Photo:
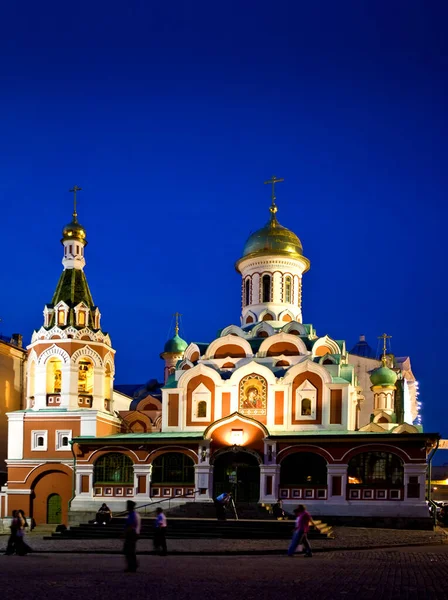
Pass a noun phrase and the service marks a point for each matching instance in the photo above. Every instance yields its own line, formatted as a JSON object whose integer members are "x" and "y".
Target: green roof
{"x": 138, "y": 437}
{"x": 176, "y": 345}
{"x": 383, "y": 376}
{"x": 72, "y": 289}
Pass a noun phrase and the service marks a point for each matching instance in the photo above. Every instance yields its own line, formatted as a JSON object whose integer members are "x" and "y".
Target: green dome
{"x": 383, "y": 376}
{"x": 176, "y": 345}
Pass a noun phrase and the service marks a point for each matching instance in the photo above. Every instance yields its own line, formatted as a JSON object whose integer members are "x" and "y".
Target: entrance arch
{"x": 54, "y": 509}
{"x": 237, "y": 471}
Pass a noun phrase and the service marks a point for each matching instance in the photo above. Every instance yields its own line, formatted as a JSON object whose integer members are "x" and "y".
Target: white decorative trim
{"x": 87, "y": 351}
{"x": 35, "y": 436}
{"x": 201, "y": 394}
{"x": 52, "y": 352}
{"x": 225, "y": 341}
{"x": 278, "y": 338}
{"x": 306, "y": 391}
{"x": 59, "y": 437}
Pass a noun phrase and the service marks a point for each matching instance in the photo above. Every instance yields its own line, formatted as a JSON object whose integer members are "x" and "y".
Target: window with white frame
{"x": 63, "y": 438}
{"x": 306, "y": 402}
{"x": 201, "y": 404}
{"x": 39, "y": 440}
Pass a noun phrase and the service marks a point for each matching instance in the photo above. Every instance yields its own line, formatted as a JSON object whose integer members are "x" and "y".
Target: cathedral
{"x": 270, "y": 410}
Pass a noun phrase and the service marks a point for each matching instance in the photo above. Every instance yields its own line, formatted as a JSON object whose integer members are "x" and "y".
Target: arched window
{"x": 303, "y": 468}
{"x": 172, "y": 468}
{"x": 266, "y": 285}
{"x": 113, "y": 468}
{"x": 54, "y": 376}
{"x": 376, "y": 468}
{"x": 40, "y": 441}
{"x": 306, "y": 407}
{"x": 81, "y": 318}
{"x": 287, "y": 290}
{"x": 61, "y": 316}
{"x": 85, "y": 376}
{"x": 247, "y": 292}
{"x": 202, "y": 409}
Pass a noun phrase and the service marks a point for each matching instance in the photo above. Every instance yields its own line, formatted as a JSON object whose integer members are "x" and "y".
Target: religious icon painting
{"x": 252, "y": 395}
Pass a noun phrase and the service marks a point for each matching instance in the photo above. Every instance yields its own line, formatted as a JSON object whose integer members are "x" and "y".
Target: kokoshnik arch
{"x": 269, "y": 409}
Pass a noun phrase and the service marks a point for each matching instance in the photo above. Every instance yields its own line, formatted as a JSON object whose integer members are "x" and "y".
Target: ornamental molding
{"x": 87, "y": 351}
{"x": 54, "y": 351}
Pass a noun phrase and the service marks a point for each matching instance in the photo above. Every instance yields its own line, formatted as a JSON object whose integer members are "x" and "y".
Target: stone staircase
{"x": 195, "y": 520}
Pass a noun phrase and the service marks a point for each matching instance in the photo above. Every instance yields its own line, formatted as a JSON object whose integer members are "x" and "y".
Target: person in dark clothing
{"x": 131, "y": 533}
{"x": 22, "y": 547}
{"x": 104, "y": 515}
{"x": 160, "y": 532}
{"x": 11, "y": 547}
{"x": 221, "y": 503}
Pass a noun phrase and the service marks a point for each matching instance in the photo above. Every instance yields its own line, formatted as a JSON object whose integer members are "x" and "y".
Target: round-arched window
{"x": 114, "y": 468}
{"x": 376, "y": 468}
{"x": 172, "y": 468}
{"x": 303, "y": 468}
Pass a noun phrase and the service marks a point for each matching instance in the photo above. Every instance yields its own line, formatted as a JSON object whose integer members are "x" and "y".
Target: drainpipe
{"x": 74, "y": 476}
{"x": 430, "y": 457}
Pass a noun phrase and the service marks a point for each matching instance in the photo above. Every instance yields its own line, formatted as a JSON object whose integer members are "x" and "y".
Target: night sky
{"x": 170, "y": 115}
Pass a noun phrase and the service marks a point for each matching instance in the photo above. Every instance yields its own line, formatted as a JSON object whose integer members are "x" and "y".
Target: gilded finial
{"x": 74, "y": 190}
{"x": 176, "y": 326}
{"x": 384, "y": 337}
{"x": 273, "y": 181}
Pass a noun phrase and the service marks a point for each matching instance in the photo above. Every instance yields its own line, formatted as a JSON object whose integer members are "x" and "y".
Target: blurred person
{"x": 160, "y": 531}
{"x": 131, "y": 533}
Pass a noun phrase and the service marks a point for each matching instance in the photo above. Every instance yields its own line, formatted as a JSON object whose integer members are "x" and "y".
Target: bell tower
{"x": 71, "y": 360}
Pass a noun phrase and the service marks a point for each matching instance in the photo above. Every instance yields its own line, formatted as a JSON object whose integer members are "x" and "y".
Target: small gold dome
{"x": 74, "y": 231}
{"x": 273, "y": 238}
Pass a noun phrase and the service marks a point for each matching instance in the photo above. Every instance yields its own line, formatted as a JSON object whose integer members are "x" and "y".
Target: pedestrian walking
{"x": 12, "y": 541}
{"x": 131, "y": 533}
{"x": 300, "y": 535}
{"x": 160, "y": 532}
{"x": 22, "y": 547}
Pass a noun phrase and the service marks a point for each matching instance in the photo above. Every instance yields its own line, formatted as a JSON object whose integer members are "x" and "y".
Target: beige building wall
{"x": 12, "y": 391}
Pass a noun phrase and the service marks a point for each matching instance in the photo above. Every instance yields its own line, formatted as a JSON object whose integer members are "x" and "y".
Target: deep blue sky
{"x": 170, "y": 115}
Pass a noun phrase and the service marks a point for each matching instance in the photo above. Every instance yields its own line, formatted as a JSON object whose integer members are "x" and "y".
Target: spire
{"x": 74, "y": 190}
{"x": 74, "y": 239}
{"x": 273, "y": 208}
{"x": 384, "y": 337}
{"x": 176, "y": 326}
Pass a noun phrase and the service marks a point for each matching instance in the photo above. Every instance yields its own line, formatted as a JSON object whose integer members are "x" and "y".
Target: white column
{"x": 69, "y": 392}
{"x": 337, "y": 471}
{"x": 84, "y": 470}
{"x": 98, "y": 388}
{"x": 272, "y": 471}
{"x": 142, "y": 471}
{"x": 418, "y": 471}
{"x": 203, "y": 480}
{"x": 40, "y": 387}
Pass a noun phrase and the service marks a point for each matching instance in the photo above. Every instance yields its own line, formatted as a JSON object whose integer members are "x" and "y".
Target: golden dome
{"x": 273, "y": 238}
{"x": 74, "y": 231}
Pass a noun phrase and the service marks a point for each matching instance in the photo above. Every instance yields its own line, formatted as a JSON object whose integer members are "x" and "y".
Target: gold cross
{"x": 176, "y": 327}
{"x": 384, "y": 337}
{"x": 74, "y": 190}
{"x": 273, "y": 180}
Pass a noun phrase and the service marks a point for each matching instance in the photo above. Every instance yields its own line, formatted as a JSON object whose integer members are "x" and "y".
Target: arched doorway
{"x": 238, "y": 473}
{"x": 54, "y": 509}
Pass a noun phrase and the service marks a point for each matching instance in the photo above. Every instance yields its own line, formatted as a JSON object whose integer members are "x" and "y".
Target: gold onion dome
{"x": 273, "y": 238}
{"x": 74, "y": 231}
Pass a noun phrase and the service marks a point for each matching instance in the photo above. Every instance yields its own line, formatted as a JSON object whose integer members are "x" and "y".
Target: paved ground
{"x": 406, "y": 573}
{"x": 345, "y": 538}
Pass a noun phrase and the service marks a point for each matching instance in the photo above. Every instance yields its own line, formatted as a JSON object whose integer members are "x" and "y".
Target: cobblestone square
{"x": 405, "y": 573}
